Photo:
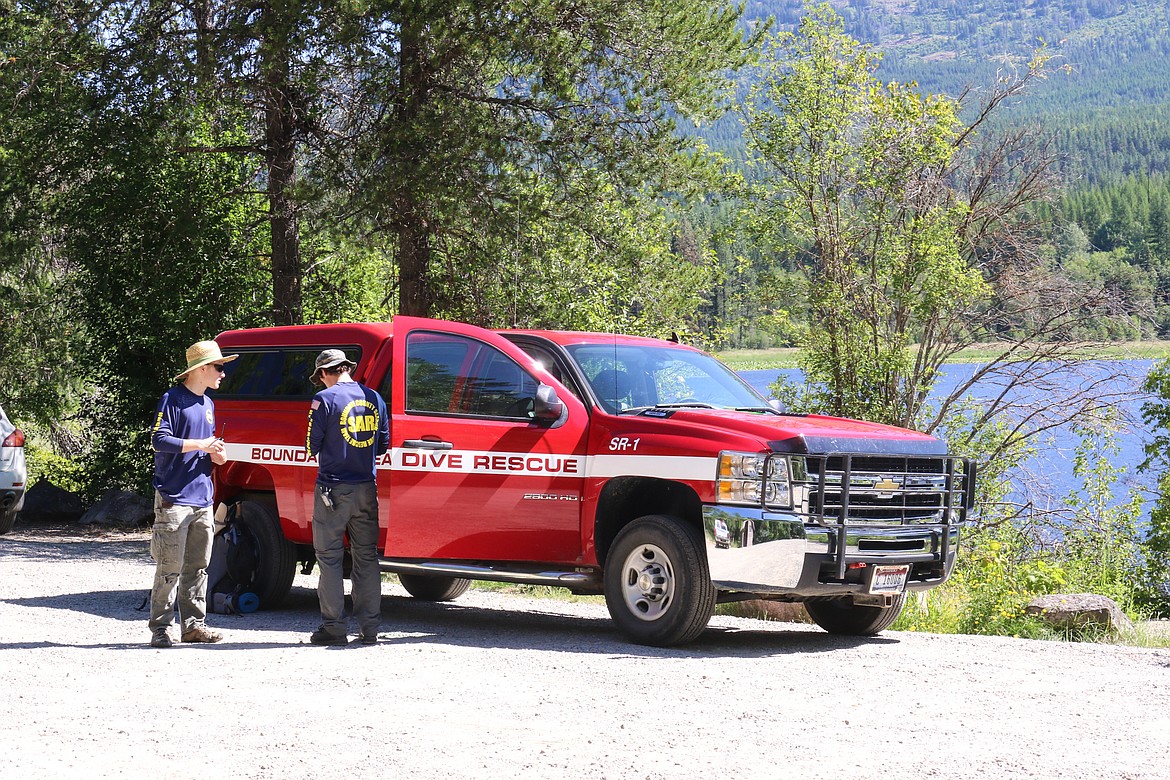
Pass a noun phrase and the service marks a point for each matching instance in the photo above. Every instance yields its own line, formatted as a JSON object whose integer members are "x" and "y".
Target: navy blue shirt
{"x": 348, "y": 430}
{"x": 183, "y": 477}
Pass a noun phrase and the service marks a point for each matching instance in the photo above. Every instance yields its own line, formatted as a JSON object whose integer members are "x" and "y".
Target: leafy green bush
{"x": 998, "y": 577}
{"x": 1095, "y": 547}
{"x": 1154, "y": 595}
{"x": 63, "y": 472}
{"x": 1101, "y": 547}
{"x": 1153, "y": 592}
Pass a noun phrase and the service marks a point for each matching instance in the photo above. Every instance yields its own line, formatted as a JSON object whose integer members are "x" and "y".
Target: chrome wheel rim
{"x": 648, "y": 582}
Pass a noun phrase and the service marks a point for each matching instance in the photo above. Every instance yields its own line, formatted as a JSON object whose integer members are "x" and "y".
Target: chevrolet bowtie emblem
{"x": 886, "y": 484}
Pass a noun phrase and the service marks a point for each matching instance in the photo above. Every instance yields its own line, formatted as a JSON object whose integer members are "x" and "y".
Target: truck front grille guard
{"x": 844, "y": 491}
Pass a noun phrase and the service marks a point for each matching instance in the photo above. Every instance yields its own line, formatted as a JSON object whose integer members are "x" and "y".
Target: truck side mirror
{"x": 547, "y": 407}
{"x": 777, "y": 404}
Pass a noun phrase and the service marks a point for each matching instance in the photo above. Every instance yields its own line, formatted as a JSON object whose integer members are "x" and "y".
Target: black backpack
{"x": 232, "y": 569}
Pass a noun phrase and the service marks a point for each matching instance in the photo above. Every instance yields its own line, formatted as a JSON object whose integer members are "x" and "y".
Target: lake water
{"x": 1048, "y": 478}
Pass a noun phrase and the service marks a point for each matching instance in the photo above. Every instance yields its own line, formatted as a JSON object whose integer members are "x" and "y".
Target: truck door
{"x": 474, "y": 475}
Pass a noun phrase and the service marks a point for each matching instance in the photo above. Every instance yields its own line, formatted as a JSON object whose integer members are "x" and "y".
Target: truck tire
{"x": 842, "y": 616}
{"x": 657, "y": 585}
{"x": 434, "y": 588}
{"x": 275, "y": 556}
{"x": 7, "y": 520}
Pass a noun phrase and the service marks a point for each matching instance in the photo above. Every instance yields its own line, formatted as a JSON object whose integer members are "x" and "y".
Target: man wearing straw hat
{"x": 348, "y": 431}
{"x": 185, "y": 447}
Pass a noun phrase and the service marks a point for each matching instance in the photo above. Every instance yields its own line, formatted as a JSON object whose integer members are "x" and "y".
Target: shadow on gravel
{"x": 410, "y": 621}
{"x": 133, "y": 605}
{"x": 117, "y": 604}
{"x": 82, "y": 549}
{"x": 527, "y": 629}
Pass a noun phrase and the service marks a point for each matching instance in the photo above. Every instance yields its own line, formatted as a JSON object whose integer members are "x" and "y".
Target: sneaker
{"x": 160, "y": 638}
{"x": 323, "y": 636}
{"x": 201, "y": 634}
{"x": 368, "y": 639}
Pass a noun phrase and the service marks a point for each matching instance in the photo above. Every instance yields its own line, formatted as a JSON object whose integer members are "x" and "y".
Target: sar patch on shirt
{"x": 359, "y": 423}
{"x": 210, "y": 415}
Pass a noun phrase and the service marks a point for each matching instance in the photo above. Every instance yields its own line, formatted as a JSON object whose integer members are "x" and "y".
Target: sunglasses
{"x": 218, "y": 367}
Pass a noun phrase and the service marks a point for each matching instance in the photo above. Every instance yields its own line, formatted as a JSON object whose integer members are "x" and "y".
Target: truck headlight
{"x": 754, "y": 479}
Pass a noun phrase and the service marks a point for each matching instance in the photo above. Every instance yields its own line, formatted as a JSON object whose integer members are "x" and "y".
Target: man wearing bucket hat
{"x": 185, "y": 447}
{"x": 348, "y": 431}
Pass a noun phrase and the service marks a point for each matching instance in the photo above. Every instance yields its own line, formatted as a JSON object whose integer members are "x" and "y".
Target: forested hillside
{"x": 1106, "y": 103}
{"x": 1103, "y": 106}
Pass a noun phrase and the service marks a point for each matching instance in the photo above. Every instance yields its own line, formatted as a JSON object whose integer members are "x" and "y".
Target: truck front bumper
{"x": 753, "y": 550}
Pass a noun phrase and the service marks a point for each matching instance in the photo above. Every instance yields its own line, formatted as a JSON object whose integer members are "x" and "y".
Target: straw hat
{"x": 201, "y": 353}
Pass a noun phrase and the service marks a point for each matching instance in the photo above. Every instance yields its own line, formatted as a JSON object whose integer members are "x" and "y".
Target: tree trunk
{"x": 414, "y": 255}
{"x": 280, "y": 157}
{"x": 204, "y": 64}
{"x": 415, "y": 295}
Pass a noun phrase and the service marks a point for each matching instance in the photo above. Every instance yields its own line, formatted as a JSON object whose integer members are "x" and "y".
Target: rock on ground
{"x": 1081, "y": 612}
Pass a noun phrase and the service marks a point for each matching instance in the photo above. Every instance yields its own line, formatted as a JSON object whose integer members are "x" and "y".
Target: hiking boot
{"x": 160, "y": 638}
{"x": 201, "y": 634}
{"x": 323, "y": 636}
{"x": 368, "y": 639}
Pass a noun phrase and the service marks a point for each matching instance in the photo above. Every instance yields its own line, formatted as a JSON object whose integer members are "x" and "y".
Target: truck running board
{"x": 574, "y": 579}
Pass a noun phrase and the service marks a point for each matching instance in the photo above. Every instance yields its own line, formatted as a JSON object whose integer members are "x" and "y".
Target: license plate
{"x": 889, "y": 579}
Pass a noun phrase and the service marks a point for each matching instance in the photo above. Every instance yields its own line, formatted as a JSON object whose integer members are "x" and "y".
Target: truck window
{"x": 455, "y": 375}
{"x": 273, "y": 373}
{"x": 432, "y": 368}
{"x": 550, "y": 363}
{"x": 625, "y": 377}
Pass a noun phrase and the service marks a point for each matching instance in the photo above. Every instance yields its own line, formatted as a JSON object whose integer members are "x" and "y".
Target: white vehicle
{"x": 12, "y": 472}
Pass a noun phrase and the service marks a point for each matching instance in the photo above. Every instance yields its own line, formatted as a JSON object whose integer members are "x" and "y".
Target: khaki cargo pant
{"x": 181, "y": 547}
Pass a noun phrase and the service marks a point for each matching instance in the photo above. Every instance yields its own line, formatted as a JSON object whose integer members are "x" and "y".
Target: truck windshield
{"x": 625, "y": 377}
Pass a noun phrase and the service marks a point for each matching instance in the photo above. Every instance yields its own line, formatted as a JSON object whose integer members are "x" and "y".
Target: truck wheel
{"x": 7, "y": 520}
{"x": 842, "y": 616}
{"x": 275, "y": 556}
{"x": 434, "y": 588}
{"x": 657, "y": 586}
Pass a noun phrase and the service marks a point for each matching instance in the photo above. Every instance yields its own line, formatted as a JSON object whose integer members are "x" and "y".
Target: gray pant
{"x": 181, "y": 546}
{"x": 354, "y": 514}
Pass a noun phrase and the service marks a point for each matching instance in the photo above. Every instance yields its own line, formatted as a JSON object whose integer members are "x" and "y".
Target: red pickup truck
{"x": 639, "y": 468}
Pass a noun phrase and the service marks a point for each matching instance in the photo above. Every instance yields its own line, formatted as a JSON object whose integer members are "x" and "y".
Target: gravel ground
{"x": 500, "y": 686}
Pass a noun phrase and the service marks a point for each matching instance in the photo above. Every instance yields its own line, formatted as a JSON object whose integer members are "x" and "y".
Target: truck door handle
{"x": 427, "y": 444}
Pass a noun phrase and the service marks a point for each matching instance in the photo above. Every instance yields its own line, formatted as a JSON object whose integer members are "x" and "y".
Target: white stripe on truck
{"x": 679, "y": 467}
